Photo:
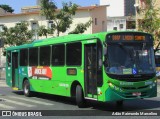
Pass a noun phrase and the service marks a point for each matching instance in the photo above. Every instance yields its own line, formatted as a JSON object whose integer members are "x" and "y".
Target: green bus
{"x": 107, "y": 66}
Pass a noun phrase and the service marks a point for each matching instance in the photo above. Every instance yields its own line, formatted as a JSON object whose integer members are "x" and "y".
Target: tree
{"x": 43, "y": 31}
{"x": 150, "y": 21}
{"x": 62, "y": 19}
{"x": 81, "y": 27}
{"x": 48, "y": 9}
{"x": 7, "y": 8}
{"x": 17, "y": 35}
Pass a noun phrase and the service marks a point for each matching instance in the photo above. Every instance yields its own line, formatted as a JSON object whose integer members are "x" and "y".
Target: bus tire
{"x": 26, "y": 88}
{"x": 80, "y": 97}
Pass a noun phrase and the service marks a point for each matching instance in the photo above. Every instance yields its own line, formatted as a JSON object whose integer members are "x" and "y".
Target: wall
{"x": 116, "y": 7}
{"x": 99, "y": 14}
{"x": 116, "y": 22}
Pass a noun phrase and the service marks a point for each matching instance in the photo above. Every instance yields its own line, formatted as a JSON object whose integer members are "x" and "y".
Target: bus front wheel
{"x": 26, "y": 88}
{"x": 80, "y": 97}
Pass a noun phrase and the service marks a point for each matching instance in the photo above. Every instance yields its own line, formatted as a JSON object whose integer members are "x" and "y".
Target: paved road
{"x": 10, "y": 100}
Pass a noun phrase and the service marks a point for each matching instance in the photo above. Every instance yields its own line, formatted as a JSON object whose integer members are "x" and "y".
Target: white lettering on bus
{"x": 40, "y": 71}
{"x": 126, "y": 83}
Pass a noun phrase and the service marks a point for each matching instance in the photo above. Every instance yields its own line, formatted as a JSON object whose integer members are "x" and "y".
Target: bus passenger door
{"x": 91, "y": 70}
{"x": 15, "y": 73}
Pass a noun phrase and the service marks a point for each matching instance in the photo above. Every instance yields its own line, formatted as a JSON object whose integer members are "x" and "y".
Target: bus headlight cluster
{"x": 152, "y": 85}
{"x": 115, "y": 87}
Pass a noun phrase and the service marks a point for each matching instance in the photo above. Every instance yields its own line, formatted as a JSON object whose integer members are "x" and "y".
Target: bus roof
{"x": 65, "y": 39}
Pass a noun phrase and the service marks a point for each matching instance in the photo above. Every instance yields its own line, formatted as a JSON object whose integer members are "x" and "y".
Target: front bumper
{"x": 112, "y": 94}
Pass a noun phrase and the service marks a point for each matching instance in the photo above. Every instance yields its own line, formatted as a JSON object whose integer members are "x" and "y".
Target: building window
{"x": 103, "y": 26}
{"x": 34, "y": 25}
{"x": 121, "y": 26}
{"x": 1, "y": 27}
{"x": 96, "y": 21}
{"x": 114, "y": 28}
{"x": 74, "y": 54}
{"x": 50, "y": 24}
{"x": 58, "y": 55}
{"x": 19, "y": 23}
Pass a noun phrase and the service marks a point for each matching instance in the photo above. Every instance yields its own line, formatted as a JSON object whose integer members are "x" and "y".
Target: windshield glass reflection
{"x": 130, "y": 59}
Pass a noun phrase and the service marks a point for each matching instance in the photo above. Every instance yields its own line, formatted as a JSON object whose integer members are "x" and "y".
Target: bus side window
{"x": 45, "y": 55}
{"x": 9, "y": 58}
{"x": 33, "y": 57}
{"x": 58, "y": 55}
{"x": 74, "y": 54}
{"x": 24, "y": 57}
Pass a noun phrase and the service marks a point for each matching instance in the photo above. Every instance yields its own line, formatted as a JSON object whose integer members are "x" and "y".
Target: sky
{"x": 17, "y": 4}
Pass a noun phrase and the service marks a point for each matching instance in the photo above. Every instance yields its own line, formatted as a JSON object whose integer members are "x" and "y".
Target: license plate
{"x": 136, "y": 93}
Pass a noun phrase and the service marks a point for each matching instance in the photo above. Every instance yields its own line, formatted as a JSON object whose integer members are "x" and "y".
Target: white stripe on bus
{"x": 30, "y": 100}
{"x": 18, "y": 103}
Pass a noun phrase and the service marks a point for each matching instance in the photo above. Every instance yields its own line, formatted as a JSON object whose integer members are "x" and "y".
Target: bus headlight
{"x": 110, "y": 84}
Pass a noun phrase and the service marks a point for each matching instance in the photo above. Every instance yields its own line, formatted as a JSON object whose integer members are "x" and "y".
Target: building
{"x": 83, "y": 14}
{"x": 120, "y": 14}
{"x": 119, "y": 8}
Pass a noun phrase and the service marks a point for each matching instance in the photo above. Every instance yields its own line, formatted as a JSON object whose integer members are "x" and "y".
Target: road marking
{"x": 6, "y": 106}
{"x": 3, "y": 83}
{"x": 3, "y": 86}
{"x": 18, "y": 103}
{"x": 30, "y": 100}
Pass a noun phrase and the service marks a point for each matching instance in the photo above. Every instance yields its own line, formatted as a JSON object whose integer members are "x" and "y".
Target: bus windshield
{"x": 130, "y": 59}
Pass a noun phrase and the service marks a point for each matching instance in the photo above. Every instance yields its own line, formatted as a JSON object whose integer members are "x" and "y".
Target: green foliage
{"x": 150, "y": 22}
{"x": 17, "y": 35}
{"x": 81, "y": 27}
{"x": 48, "y": 9}
{"x": 43, "y": 31}
{"x": 7, "y": 8}
{"x": 62, "y": 19}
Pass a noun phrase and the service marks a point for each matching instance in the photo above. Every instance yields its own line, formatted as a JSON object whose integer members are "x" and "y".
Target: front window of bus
{"x": 126, "y": 58}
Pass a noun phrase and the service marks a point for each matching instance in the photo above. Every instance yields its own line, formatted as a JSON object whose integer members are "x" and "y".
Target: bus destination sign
{"x": 117, "y": 37}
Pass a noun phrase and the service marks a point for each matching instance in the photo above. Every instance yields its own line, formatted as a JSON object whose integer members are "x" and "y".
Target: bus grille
{"x": 133, "y": 88}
